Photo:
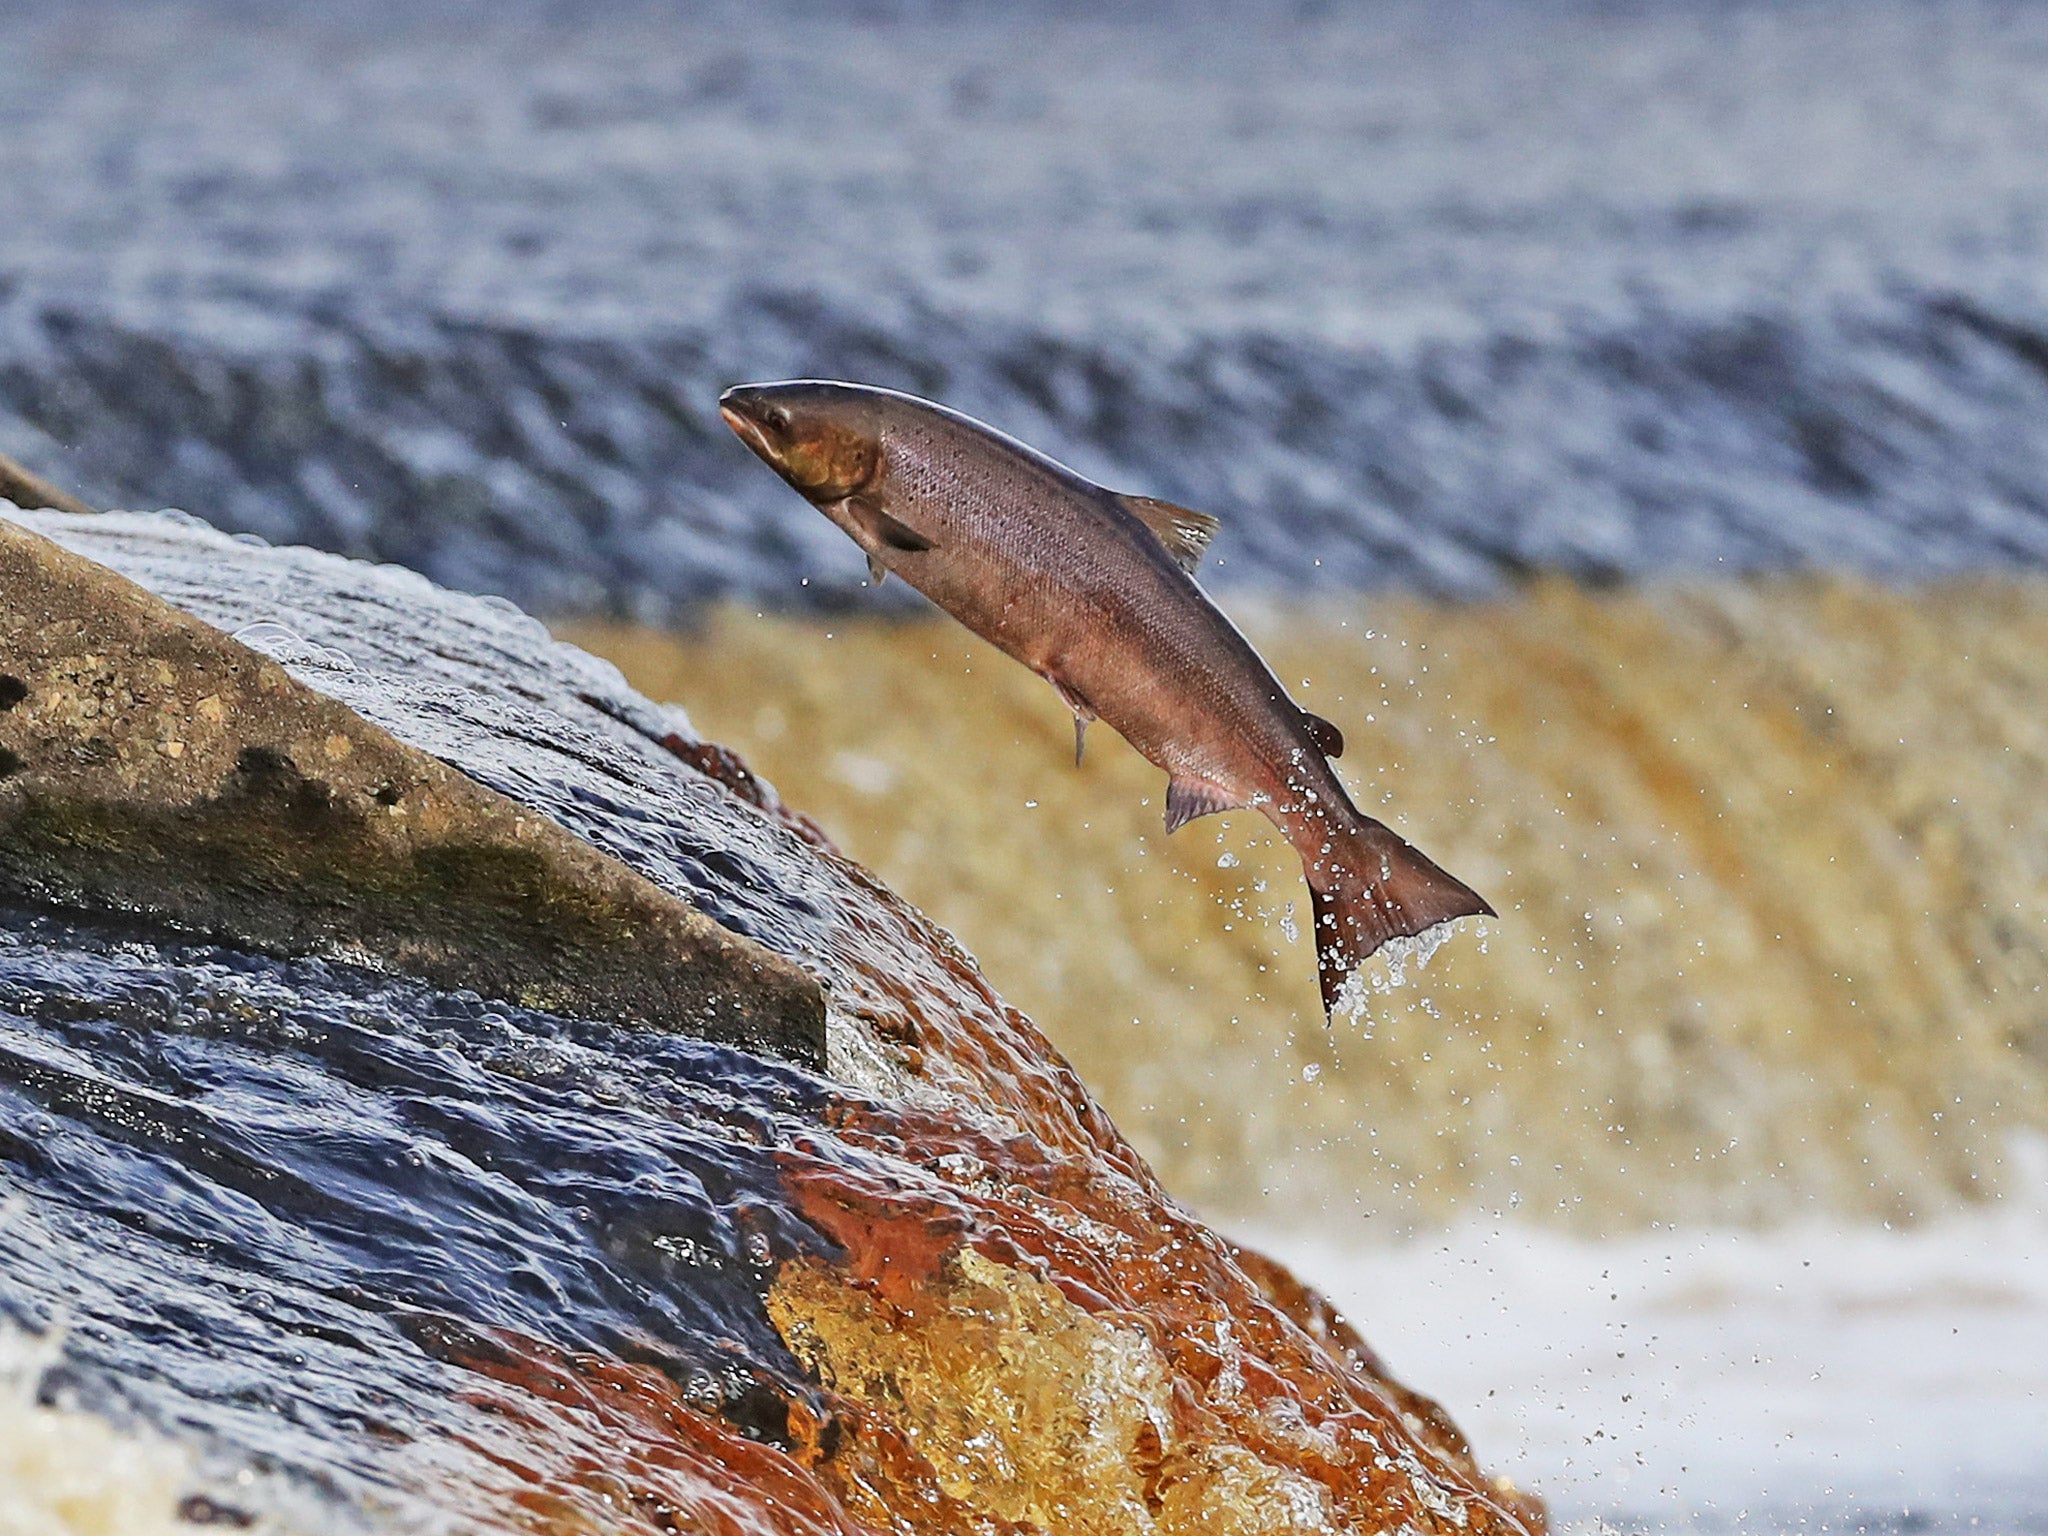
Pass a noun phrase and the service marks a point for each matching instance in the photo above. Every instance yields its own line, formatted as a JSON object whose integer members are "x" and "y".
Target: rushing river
{"x": 1768, "y": 857}
{"x": 280, "y": 1203}
{"x": 368, "y": 1249}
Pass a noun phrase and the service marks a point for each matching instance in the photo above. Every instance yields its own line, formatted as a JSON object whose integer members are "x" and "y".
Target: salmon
{"x": 1095, "y": 592}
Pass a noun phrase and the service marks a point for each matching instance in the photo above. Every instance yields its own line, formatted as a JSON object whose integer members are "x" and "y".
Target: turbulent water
{"x": 427, "y": 1258}
{"x": 1822, "y": 1377}
{"x": 255, "y": 1198}
{"x": 1769, "y": 860}
{"x": 1421, "y": 295}
{"x": 291, "y": 1205}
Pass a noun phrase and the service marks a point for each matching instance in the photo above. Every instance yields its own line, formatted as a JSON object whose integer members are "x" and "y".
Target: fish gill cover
{"x": 385, "y": 1253}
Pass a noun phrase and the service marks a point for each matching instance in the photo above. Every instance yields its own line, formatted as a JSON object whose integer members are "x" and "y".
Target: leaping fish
{"x": 1095, "y": 592}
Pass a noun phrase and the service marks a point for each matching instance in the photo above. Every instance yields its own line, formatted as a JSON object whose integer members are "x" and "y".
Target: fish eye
{"x": 778, "y": 417}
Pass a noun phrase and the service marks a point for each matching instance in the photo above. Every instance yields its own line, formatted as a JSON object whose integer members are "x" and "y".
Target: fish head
{"x": 817, "y": 436}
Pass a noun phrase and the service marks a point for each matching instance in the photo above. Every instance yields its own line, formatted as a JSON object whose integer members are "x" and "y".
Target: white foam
{"x": 65, "y": 1472}
{"x": 1718, "y": 1379}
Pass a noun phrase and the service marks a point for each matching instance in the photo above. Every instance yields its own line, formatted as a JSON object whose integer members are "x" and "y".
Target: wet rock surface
{"x": 154, "y": 767}
{"x": 403, "y": 1253}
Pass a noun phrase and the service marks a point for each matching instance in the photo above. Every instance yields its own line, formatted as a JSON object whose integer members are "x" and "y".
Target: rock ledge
{"x": 153, "y": 766}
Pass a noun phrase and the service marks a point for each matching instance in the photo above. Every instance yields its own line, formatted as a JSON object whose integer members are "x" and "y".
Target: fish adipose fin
{"x": 1371, "y": 887}
{"x": 1328, "y": 739}
{"x": 1185, "y": 534}
{"x": 1188, "y": 798}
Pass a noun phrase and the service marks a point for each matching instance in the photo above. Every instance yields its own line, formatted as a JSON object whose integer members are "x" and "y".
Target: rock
{"x": 27, "y": 489}
{"x": 152, "y": 765}
{"x": 440, "y": 1259}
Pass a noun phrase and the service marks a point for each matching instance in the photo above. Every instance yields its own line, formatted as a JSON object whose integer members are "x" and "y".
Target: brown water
{"x": 1770, "y": 857}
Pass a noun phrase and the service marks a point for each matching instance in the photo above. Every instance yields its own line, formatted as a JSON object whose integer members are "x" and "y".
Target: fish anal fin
{"x": 1188, "y": 798}
{"x": 1186, "y": 534}
{"x": 1328, "y": 739}
{"x": 875, "y": 530}
{"x": 876, "y": 570}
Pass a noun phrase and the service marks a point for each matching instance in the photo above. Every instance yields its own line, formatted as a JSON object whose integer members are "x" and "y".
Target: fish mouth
{"x": 746, "y": 428}
{"x": 758, "y": 423}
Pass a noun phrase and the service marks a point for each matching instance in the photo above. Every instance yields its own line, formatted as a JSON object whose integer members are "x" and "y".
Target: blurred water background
{"x": 1424, "y": 294}
{"x": 1626, "y": 423}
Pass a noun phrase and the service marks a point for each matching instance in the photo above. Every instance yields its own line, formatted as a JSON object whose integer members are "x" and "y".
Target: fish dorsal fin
{"x": 1328, "y": 739}
{"x": 1184, "y": 533}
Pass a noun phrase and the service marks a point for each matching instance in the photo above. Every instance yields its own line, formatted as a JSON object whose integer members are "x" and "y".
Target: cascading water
{"x": 1419, "y": 295}
{"x": 1766, "y": 855}
{"x": 417, "y": 1255}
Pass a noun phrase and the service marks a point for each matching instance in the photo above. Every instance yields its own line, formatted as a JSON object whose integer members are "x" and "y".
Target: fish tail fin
{"x": 1366, "y": 886}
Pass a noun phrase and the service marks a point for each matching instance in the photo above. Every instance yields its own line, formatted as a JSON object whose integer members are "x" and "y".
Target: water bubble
{"x": 288, "y": 648}
{"x": 701, "y": 1390}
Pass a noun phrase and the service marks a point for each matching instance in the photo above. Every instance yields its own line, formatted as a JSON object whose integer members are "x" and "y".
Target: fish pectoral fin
{"x": 1328, "y": 739}
{"x": 1186, "y": 534}
{"x": 900, "y": 535}
{"x": 1188, "y": 798}
{"x": 875, "y": 530}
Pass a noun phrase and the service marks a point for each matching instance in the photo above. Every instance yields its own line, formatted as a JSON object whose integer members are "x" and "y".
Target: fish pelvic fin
{"x": 1367, "y": 887}
{"x": 1188, "y": 798}
{"x": 1186, "y": 534}
{"x": 1083, "y": 712}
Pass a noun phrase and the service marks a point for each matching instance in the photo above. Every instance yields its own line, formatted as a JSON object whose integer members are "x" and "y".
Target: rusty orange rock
{"x": 1076, "y": 1354}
